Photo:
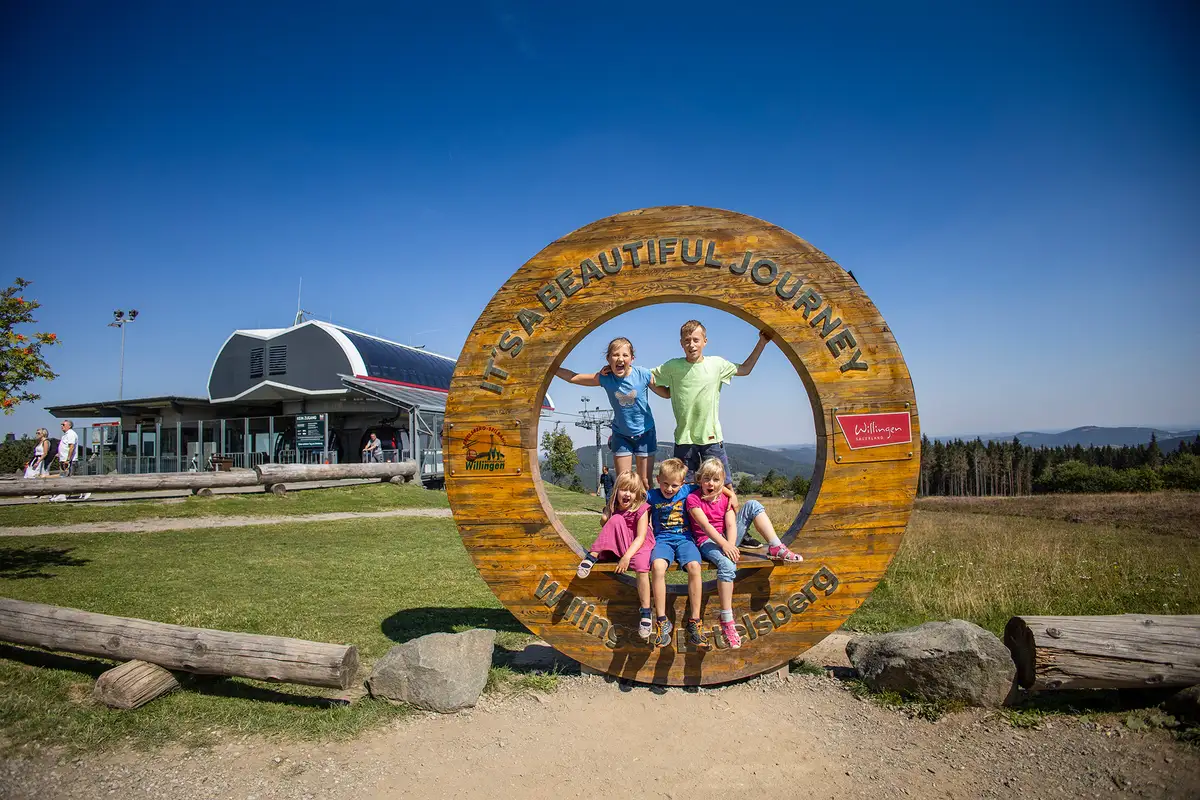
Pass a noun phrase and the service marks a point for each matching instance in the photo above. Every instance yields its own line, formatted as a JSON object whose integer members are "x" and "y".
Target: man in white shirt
{"x": 68, "y": 449}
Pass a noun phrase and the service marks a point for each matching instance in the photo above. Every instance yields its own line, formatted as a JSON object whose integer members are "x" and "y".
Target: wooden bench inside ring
{"x": 858, "y": 389}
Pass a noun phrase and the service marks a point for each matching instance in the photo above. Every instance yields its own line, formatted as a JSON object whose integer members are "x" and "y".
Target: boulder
{"x": 950, "y": 661}
{"x": 1185, "y": 705}
{"x": 441, "y": 672}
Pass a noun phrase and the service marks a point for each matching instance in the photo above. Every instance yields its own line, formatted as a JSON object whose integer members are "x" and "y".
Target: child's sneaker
{"x": 585, "y": 567}
{"x": 729, "y": 630}
{"x": 662, "y": 633}
{"x": 780, "y": 552}
{"x": 695, "y": 636}
{"x": 750, "y": 543}
{"x": 645, "y": 628}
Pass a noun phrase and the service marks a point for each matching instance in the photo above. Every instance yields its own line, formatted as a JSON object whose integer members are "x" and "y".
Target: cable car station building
{"x": 311, "y": 393}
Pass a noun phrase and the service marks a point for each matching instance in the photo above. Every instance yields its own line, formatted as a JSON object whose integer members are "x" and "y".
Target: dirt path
{"x": 153, "y": 524}
{"x": 803, "y": 737}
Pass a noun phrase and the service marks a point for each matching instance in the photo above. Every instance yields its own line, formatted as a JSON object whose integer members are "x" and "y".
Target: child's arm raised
{"x": 728, "y": 491}
{"x": 578, "y": 378}
{"x": 701, "y": 521}
{"x": 744, "y": 368}
{"x": 636, "y": 545}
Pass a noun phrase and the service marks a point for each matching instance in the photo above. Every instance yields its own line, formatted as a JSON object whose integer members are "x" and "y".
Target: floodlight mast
{"x": 120, "y": 320}
{"x": 596, "y": 419}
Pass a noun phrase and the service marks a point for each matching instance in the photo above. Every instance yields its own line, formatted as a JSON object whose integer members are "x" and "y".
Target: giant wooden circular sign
{"x": 858, "y": 387}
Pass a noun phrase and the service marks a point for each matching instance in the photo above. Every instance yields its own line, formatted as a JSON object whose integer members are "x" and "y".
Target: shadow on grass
{"x": 413, "y": 622}
{"x": 220, "y": 686}
{"x": 32, "y": 561}
{"x": 48, "y": 660}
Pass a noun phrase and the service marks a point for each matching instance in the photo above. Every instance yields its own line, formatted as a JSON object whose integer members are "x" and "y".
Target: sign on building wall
{"x": 310, "y": 431}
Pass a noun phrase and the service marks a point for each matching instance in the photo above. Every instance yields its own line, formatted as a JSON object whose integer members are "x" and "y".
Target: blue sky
{"x": 1015, "y": 185}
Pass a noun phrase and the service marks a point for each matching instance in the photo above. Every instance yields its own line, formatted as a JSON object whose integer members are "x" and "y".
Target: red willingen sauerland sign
{"x": 876, "y": 430}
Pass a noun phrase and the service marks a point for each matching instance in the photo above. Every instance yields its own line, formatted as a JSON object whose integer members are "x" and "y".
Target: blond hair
{"x": 711, "y": 468}
{"x": 630, "y": 481}
{"x": 672, "y": 469}
{"x": 690, "y": 326}
{"x": 620, "y": 340}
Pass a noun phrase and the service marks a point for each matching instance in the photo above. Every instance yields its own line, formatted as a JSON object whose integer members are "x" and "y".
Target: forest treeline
{"x": 987, "y": 469}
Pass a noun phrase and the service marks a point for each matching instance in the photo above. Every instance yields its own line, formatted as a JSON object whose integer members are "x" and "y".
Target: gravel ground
{"x": 802, "y": 736}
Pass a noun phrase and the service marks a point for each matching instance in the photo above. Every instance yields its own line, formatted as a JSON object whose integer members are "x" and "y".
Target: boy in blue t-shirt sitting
{"x": 673, "y": 541}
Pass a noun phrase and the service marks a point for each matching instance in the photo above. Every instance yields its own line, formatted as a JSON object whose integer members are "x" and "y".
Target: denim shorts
{"x": 681, "y": 549}
{"x": 695, "y": 454}
{"x": 644, "y": 445}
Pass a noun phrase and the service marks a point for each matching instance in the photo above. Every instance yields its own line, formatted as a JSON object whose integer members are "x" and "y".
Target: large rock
{"x": 952, "y": 661}
{"x": 440, "y": 672}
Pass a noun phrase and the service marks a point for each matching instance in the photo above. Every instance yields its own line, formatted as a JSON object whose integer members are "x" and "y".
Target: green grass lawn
{"x": 364, "y": 497}
{"x": 987, "y": 568}
{"x": 378, "y": 582}
{"x": 373, "y": 584}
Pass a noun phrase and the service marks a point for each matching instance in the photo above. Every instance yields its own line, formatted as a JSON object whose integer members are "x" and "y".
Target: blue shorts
{"x": 695, "y": 454}
{"x": 644, "y": 445}
{"x": 681, "y": 549}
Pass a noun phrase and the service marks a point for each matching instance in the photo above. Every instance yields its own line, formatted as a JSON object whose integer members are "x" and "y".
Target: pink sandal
{"x": 782, "y": 553}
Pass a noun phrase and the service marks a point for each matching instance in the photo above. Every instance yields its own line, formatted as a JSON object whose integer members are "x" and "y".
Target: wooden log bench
{"x": 748, "y": 561}
{"x": 1124, "y": 651}
{"x": 197, "y": 650}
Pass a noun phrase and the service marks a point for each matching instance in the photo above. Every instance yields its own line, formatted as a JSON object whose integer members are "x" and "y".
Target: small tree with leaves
{"x": 561, "y": 458}
{"x": 21, "y": 360}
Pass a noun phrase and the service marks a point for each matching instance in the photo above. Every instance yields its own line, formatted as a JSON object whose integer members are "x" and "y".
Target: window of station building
{"x": 406, "y": 365}
{"x": 277, "y": 360}
{"x": 256, "y": 362}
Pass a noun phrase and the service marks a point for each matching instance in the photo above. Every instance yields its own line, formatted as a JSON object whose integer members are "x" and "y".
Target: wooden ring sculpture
{"x": 858, "y": 385}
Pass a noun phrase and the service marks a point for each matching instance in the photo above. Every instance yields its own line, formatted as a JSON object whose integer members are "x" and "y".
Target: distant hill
{"x": 1094, "y": 436}
{"x": 742, "y": 458}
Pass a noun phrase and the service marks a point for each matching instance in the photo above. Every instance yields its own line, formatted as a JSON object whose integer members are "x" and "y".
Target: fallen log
{"x": 80, "y": 484}
{"x": 1113, "y": 652}
{"x": 133, "y": 684}
{"x": 198, "y": 650}
{"x": 271, "y": 474}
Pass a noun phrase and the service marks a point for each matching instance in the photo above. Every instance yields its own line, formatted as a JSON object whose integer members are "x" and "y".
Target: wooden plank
{"x": 133, "y": 684}
{"x": 198, "y": 650}
{"x": 1105, "y": 652}
{"x": 829, "y": 331}
{"x": 748, "y": 561}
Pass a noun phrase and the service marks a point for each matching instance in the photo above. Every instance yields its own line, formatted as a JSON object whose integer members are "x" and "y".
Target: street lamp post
{"x": 120, "y": 320}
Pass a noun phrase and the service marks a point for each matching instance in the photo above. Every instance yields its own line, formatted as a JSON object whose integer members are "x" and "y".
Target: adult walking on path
{"x": 39, "y": 464}
{"x": 68, "y": 449}
{"x": 606, "y": 485}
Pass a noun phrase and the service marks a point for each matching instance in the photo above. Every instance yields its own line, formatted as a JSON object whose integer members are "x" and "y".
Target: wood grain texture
{"x": 133, "y": 684}
{"x": 198, "y": 650}
{"x": 1125, "y": 651}
{"x": 855, "y": 513}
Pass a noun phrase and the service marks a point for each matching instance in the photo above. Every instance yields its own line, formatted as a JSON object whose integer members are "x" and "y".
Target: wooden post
{"x": 1114, "y": 652}
{"x": 198, "y": 650}
{"x": 133, "y": 684}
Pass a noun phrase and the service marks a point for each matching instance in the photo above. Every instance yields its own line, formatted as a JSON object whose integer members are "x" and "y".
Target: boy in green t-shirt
{"x": 695, "y": 382}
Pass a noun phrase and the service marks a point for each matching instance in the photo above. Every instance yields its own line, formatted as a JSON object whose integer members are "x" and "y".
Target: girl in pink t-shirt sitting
{"x": 627, "y": 536}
